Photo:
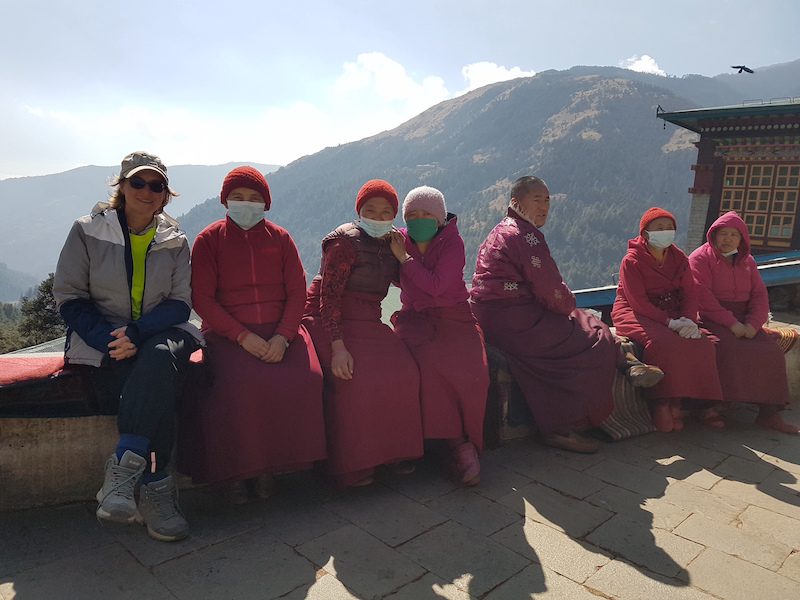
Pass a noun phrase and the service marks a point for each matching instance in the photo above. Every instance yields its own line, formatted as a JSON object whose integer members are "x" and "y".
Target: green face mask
{"x": 422, "y": 230}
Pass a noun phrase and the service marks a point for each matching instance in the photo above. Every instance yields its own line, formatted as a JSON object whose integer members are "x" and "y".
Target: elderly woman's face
{"x": 536, "y": 204}
{"x": 377, "y": 209}
{"x": 727, "y": 239}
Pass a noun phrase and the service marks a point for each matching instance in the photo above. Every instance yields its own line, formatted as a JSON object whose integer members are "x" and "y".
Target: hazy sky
{"x": 87, "y": 81}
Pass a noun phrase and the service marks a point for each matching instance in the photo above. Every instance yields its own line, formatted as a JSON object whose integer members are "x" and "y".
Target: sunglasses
{"x": 137, "y": 183}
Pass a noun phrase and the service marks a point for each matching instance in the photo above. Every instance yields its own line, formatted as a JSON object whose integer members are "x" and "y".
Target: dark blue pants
{"x": 143, "y": 390}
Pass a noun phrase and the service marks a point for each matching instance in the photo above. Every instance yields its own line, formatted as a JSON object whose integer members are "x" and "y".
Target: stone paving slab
{"x": 677, "y": 468}
{"x": 451, "y": 550}
{"x": 104, "y": 572}
{"x": 540, "y": 503}
{"x": 768, "y": 523}
{"x": 707, "y": 502}
{"x": 791, "y": 568}
{"x": 390, "y": 517}
{"x": 251, "y": 565}
{"x": 657, "y": 550}
{"x": 553, "y": 549}
{"x": 540, "y": 583}
{"x": 431, "y": 587}
{"x": 754, "y": 547}
{"x": 735, "y": 579}
{"x": 31, "y": 538}
{"x": 775, "y": 498}
{"x": 630, "y": 477}
{"x": 652, "y": 512}
{"x": 624, "y": 581}
{"x": 361, "y": 562}
{"x": 474, "y": 511}
{"x": 326, "y": 587}
{"x": 577, "y": 484}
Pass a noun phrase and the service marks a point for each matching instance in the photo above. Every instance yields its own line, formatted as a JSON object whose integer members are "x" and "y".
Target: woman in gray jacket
{"x": 122, "y": 285}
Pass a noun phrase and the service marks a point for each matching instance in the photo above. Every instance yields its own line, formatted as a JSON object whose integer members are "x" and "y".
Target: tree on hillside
{"x": 40, "y": 319}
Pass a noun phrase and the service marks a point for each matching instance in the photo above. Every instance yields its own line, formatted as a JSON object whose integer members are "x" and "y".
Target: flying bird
{"x": 742, "y": 68}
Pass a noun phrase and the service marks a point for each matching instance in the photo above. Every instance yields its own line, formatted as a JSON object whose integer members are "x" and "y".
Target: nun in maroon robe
{"x": 371, "y": 391}
{"x": 263, "y": 412}
{"x": 734, "y": 306}
{"x": 563, "y": 359}
{"x": 657, "y": 307}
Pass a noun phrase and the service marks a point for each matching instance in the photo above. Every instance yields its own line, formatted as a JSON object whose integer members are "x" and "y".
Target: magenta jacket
{"x": 514, "y": 262}
{"x": 435, "y": 278}
{"x": 719, "y": 281}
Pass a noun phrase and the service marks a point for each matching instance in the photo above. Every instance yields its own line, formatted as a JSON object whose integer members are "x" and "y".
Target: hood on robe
{"x": 730, "y": 219}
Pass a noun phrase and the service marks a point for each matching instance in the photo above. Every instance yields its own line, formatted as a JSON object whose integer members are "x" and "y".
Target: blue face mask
{"x": 245, "y": 214}
{"x": 373, "y": 228}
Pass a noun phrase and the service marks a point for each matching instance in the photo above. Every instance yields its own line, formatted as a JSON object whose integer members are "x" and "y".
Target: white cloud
{"x": 371, "y": 94}
{"x": 483, "y": 73}
{"x": 643, "y": 64}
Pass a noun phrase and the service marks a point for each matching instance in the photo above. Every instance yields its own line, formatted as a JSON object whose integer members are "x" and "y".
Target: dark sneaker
{"x": 115, "y": 499}
{"x": 158, "y": 509}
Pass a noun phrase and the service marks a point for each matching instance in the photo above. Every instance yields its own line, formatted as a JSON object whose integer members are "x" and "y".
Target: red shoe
{"x": 467, "y": 466}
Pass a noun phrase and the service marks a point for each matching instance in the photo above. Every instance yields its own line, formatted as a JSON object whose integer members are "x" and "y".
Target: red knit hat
{"x": 246, "y": 177}
{"x": 651, "y": 214}
{"x": 376, "y": 188}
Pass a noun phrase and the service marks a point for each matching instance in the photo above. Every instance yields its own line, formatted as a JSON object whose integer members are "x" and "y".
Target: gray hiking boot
{"x": 159, "y": 510}
{"x": 115, "y": 498}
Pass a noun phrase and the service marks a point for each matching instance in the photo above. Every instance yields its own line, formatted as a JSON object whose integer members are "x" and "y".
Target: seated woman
{"x": 122, "y": 287}
{"x": 263, "y": 411}
{"x": 438, "y": 327}
{"x": 656, "y": 306}
{"x": 563, "y": 359}
{"x": 371, "y": 392}
{"x": 734, "y": 306}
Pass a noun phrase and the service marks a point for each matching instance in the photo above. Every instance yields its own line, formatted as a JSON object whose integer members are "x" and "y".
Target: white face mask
{"x": 376, "y": 229}
{"x": 731, "y": 253}
{"x": 246, "y": 214}
{"x": 661, "y": 239}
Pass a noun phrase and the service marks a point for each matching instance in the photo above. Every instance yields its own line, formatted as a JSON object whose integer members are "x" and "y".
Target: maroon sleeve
{"x": 337, "y": 262}
{"x": 294, "y": 281}
{"x": 690, "y": 305}
{"x": 204, "y": 288}
{"x": 632, "y": 283}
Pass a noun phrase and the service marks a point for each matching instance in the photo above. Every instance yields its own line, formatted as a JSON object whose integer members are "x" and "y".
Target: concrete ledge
{"x": 53, "y": 461}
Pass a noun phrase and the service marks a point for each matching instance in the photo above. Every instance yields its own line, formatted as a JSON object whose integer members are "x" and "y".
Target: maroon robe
{"x": 648, "y": 296}
{"x": 563, "y": 359}
{"x": 373, "y": 418}
{"x": 255, "y": 417}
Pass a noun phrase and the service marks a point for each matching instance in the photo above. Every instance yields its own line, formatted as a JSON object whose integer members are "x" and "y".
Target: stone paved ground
{"x": 690, "y": 515}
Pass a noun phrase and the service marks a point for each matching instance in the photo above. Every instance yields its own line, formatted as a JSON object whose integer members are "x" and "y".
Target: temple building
{"x": 748, "y": 160}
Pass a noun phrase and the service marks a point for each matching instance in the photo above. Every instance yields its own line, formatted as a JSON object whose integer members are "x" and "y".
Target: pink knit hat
{"x": 246, "y": 177}
{"x": 426, "y": 198}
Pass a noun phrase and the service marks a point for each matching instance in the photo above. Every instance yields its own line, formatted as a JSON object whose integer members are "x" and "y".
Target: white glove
{"x": 676, "y": 324}
{"x": 691, "y": 332}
